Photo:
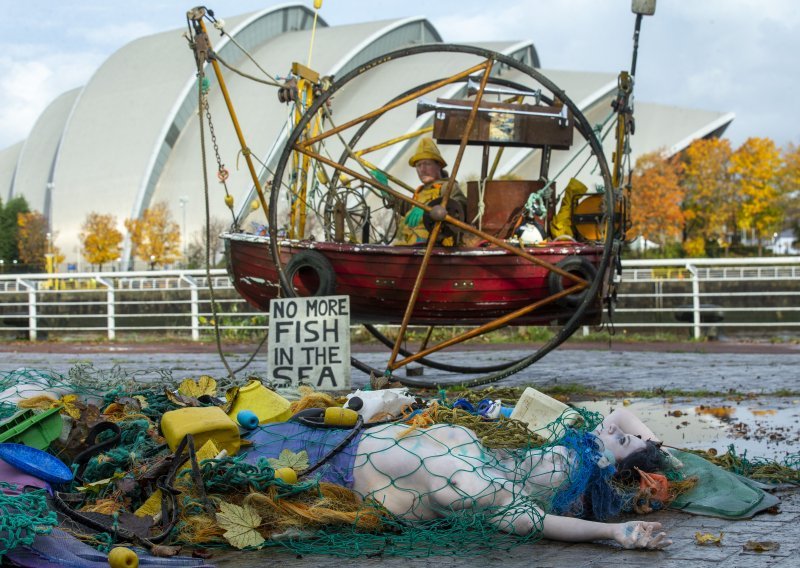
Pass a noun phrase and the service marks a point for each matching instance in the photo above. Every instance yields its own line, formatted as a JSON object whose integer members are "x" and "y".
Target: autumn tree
{"x": 33, "y": 243}
{"x": 711, "y": 204}
{"x": 656, "y": 199}
{"x": 155, "y": 236}
{"x": 9, "y": 229}
{"x": 100, "y": 239}
{"x": 790, "y": 188}
{"x": 756, "y": 165}
{"x": 196, "y": 252}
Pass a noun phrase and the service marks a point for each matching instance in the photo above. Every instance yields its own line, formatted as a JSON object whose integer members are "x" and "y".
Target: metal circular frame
{"x": 496, "y": 372}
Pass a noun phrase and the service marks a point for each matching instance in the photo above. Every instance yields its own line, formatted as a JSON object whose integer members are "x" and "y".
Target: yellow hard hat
{"x": 427, "y": 150}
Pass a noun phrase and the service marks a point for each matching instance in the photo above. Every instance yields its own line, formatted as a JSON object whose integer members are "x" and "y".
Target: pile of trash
{"x": 109, "y": 467}
{"x": 94, "y": 460}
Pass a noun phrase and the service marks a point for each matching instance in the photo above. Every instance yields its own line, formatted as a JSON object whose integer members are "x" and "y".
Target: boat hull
{"x": 462, "y": 286}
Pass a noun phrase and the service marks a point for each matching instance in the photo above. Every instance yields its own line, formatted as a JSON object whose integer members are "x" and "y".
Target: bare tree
{"x": 196, "y": 251}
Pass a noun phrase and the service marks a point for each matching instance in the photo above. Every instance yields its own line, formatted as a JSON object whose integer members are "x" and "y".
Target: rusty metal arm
{"x": 396, "y": 103}
{"x": 485, "y": 328}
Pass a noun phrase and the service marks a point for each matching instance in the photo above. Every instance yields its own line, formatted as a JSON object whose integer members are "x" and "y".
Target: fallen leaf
{"x": 706, "y": 539}
{"x": 721, "y": 412}
{"x": 164, "y": 551}
{"x": 179, "y": 399}
{"x": 240, "y": 525}
{"x": 196, "y": 389}
{"x": 100, "y": 484}
{"x": 131, "y": 403}
{"x": 761, "y": 545}
{"x": 296, "y": 461}
{"x": 72, "y": 405}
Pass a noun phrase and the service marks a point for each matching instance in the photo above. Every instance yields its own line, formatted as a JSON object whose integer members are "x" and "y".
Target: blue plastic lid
{"x": 36, "y": 463}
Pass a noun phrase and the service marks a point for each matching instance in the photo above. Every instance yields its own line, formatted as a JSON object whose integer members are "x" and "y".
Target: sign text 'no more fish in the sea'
{"x": 309, "y": 341}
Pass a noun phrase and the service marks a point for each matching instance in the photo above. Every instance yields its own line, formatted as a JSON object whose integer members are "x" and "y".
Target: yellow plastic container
{"x": 206, "y": 423}
{"x": 269, "y": 406}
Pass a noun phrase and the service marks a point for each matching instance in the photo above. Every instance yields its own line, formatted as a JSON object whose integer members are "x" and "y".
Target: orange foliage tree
{"x": 756, "y": 167}
{"x": 656, "y": 199}
{"x": 100, "y": 239}
{"x": 711, "y": 205}
{"x": 155, "y": 236}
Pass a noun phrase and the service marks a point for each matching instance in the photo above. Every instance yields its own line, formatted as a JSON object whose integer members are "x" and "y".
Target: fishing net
{"x": 442, "y": 480}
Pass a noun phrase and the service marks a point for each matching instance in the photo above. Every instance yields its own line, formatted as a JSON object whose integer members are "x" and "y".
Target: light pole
{"x": 48, "y": 255}
{"x": 183, "y": 200}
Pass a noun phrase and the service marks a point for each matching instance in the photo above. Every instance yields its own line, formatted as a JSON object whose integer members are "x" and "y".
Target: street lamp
{"x": 183, "y": 200}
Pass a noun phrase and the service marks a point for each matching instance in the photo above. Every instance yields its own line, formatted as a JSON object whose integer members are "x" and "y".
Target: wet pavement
{"x": 765, "y": 423}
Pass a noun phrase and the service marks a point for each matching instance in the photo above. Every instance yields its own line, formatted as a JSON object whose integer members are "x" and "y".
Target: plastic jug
{"x": 203, "y": 423}
{"x": 269, "y": 406}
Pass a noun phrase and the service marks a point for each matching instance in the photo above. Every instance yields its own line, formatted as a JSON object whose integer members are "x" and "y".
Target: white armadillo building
{"x": 130, "y": 137}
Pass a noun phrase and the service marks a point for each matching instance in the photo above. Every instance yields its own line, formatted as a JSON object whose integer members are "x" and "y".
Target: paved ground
{"x": 691, "y": 367}
{"x": 744, "y": 367}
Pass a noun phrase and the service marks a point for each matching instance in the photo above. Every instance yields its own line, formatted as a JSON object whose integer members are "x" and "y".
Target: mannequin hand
{"x": 639, "y": 534}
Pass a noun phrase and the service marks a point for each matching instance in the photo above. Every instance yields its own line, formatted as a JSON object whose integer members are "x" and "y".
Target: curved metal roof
{"x": 8, "y": 167}
{"x": 38, "y": 156}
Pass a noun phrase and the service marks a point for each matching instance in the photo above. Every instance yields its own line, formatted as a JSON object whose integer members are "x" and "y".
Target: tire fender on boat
{"x": 578, "y": 266}
{"x": 321, "y": 266}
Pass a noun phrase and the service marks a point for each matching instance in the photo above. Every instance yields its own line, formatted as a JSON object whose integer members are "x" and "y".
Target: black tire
{"x": 578, "y": 266}
{"x": 315, "y": 272}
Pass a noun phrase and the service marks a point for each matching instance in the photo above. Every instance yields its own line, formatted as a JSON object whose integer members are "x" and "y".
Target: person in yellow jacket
{"x": 561, "y": 225}
{"x": 430, "y": 164}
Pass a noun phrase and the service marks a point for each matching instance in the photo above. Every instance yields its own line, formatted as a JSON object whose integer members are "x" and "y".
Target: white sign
{"x": 309, "y": 341}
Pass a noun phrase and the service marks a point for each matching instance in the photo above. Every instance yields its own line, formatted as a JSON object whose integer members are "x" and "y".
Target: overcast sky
{"x": 724, "y": 55}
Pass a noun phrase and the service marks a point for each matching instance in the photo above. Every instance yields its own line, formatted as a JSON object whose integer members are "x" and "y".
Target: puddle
{"x": 768, "y": 428}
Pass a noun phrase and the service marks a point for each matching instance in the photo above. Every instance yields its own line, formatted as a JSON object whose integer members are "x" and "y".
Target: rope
{"x": 273, "y": 82}
{"x": 536, "y": 198}
{"x": 201, "y": 104}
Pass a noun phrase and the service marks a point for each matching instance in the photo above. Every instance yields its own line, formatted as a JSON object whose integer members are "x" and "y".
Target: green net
{"x": 445, "y": 481}
{"x": 22, "y": 517}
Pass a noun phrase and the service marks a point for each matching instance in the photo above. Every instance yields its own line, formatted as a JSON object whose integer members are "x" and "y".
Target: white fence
{"x": 713, "y": 292}
{"x": 694, "y": 294}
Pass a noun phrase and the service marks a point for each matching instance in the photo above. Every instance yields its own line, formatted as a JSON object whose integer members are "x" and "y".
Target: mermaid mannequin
{"x": 425, "y": 474}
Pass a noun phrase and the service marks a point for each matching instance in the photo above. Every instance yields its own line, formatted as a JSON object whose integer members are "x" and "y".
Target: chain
{"x": 222, "y": 171}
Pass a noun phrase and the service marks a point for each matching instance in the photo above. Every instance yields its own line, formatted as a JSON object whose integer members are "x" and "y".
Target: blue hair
{"x": 588, "y": 491}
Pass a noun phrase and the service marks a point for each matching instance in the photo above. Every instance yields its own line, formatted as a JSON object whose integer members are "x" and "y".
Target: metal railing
{"x": 694, "y": 294}
{"x": 711, "y": 293}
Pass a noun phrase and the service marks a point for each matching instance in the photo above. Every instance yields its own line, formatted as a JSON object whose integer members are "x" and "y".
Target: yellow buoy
{"x": 229, "y": 201}
{"x": 121, "y": 557}
{"x": 287, "y": 474}
{"x": 338, "y": 416}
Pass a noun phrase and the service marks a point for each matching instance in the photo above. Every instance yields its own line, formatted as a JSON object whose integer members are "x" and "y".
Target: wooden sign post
{"x": 309, "y": 341}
